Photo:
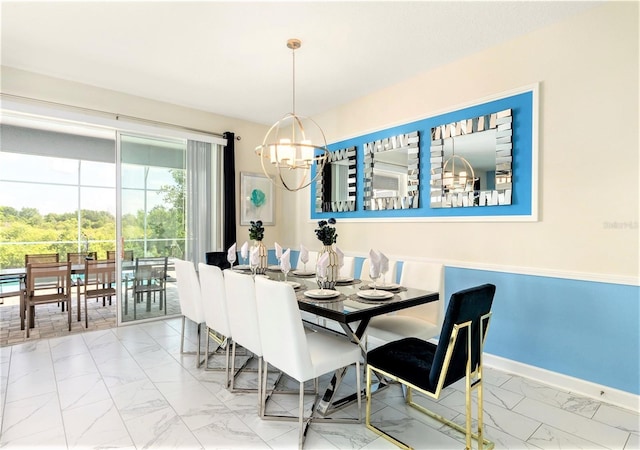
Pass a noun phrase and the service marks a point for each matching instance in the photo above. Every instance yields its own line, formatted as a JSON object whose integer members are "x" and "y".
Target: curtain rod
{"x": 116, "y": 115}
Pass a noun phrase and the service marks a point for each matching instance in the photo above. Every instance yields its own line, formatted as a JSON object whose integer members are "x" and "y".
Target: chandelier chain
{"x": 293, "y": 104}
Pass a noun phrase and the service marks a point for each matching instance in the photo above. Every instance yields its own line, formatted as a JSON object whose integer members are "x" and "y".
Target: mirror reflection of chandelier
{"x": 457, "y": 173}
{"x": 293, "y": 145}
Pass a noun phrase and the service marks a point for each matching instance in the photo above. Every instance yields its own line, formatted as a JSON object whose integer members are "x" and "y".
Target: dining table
{"x": 350, "y": 306}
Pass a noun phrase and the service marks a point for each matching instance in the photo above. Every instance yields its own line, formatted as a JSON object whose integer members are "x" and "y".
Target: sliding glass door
{"x": 152, "y": 223}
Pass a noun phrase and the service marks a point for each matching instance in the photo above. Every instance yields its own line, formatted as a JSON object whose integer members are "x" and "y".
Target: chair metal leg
{"x": 233, "y": 372}
{"x": 199, "y": 361}
{"x": 182, "y": 335}
{"x": 370, "y": 425}
{"x": 28, "y": 319}
{"x": 223, "y": 343}
{"x": 199, "y": 332}
{"x": 69, "y": 312}
{"x": 359, "y": 391}
{"x": 470, "y": 385}
{"x": 303, "y": 429}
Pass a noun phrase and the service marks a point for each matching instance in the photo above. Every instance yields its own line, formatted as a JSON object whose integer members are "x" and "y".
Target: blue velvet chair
{"x": 429, "y": 368}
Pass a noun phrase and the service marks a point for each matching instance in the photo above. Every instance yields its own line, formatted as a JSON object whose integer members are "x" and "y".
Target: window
{"x": 54, "y": 204}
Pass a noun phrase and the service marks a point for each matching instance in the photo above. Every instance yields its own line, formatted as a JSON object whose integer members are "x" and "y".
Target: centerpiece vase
{"x": 333, "y": 268}
{"x": 262, "y": 254}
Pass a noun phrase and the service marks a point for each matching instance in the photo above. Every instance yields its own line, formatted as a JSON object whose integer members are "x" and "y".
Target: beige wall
{"x": 587, "y": 68}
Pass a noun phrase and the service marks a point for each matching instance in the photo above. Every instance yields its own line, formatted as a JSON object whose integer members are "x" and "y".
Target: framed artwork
{"x": 257, "y": 201}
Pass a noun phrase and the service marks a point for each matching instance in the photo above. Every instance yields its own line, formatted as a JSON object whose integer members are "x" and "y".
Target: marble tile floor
{"x": 129, "y": 387}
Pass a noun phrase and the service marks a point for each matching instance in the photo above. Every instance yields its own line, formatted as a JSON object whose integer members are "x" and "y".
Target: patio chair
{"x": 56, "y": 275}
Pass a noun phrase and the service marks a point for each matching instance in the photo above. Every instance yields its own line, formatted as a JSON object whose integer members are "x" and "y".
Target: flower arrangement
{"x": 256, "y": 230}
{"x": 325, "y": 232}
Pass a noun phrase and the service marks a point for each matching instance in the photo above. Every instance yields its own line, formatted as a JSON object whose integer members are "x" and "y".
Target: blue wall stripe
{"x": 582, "y": 329}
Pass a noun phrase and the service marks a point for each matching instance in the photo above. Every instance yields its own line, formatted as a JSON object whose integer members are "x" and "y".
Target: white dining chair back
{"x": 214, "y": 299}
{"x": 284, "y": 342}
{"x": 346, "y": 271}
{"x": 430, "y": 277}
{"x": 423, "y": 321}
{"x": 190, "y": 300}
{"x": 242, "y": 309}
{"x": 390, "y": 276}
{"x": 189, "y": 291}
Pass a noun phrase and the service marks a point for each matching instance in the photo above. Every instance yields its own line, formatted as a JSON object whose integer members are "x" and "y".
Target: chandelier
{"x": 460, "y": 179}
{"x": 293, "y": 145}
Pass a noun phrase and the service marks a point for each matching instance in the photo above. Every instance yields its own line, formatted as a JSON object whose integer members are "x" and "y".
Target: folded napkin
{"x": 374, "y": 264}
{"x": 304, "y": 254}
{"x": 278, "y": 250}
{"x": 340, "y": 257}
{"x": 254, "y": 256}
{"x": 384, "y": 263}
{"x": 231, "y": 253}
{"x": 244, "y": 250}
{"x": 321, "y": 267}
{"x": 285, "y": 261}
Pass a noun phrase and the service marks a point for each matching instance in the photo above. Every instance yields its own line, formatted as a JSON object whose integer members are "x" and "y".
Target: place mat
{"x": 356, "y": 298}
{"x": 398, "y": 288}
{"x": 347, "y": 281}
{"x": 300, "y": 273}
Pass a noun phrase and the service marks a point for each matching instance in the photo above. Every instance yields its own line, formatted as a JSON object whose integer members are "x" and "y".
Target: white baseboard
{"x": 598, "y": 392}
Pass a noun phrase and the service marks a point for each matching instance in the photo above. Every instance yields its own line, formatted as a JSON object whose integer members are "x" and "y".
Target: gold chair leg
{"x": 466, "y": 430}
{"x": 368, "y": 423}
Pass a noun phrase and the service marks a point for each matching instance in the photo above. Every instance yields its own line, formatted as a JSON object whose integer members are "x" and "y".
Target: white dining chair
{"x": 302, "y": 356}
{"x": 214, "y": 302}
{"x": 424, "y": 321}
{"x": 243, "y": 322}
{"x": 190, "y": 302}
{"x": 346, "y": 271}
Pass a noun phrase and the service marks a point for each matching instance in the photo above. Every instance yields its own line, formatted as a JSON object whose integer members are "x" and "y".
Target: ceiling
{"x": 231, "y": 58}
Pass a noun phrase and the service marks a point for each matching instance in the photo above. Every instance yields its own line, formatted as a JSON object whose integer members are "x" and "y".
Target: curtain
{"x": 229, "y": 191}
{"x": 199, "y": 202}
{"x": 210, "y": 198}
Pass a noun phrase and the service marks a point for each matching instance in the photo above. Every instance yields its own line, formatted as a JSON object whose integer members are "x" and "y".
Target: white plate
{"x": 302, "y": 273}
{"x": 375, "y": 295}
{"x": 242, "y": 267}
{"x": 386, "y": 287}
{"x": 275, "y": 268}
{"x": 345, "y": 280}
{"x": 321, "y": 293}
{"x": 294, "y": 284}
